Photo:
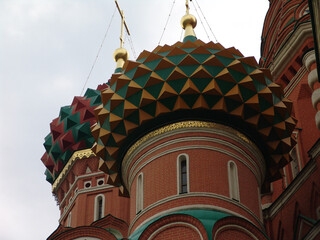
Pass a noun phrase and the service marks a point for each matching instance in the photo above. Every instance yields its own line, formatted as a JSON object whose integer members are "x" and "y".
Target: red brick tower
{"x": 183, "y": 142}
{"x": 191, "y": 133}
{"x": 292, "y": 205}
{"x": 86, "y": 201}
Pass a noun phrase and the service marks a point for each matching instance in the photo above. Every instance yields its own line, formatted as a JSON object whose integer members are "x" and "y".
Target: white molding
{"x": 312, "y": 78}
{"x": 96, "y": 202}
{"x": 82, "y": 191}
{"x": 179, "y": 172}
{"x": 234, "y": 227}
{"x": 294, "y": 186}
{"x": 289, "y": 48}
{"x": 195, "y": 206}
{"x": 139, "y": 194}
{"x": 233, "y": 181}
{"x": 294, "y": 81}
{"x": 132, "y": 174}
{"x": 248, "y": 145}
{"x": 175, "y": 224}
{"x": 308, "y": 59}
{"x": 69, "y": 219}
{"x": 75, "y": 183}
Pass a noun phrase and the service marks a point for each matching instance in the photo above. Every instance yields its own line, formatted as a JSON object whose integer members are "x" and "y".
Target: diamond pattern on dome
{"x": 192, "y": 75}
{"x": 71, "y": 132}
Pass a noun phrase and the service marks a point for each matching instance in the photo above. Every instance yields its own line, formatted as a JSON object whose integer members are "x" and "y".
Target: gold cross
{"x": 123, "y": 23}
{"x": 187, "y": 6}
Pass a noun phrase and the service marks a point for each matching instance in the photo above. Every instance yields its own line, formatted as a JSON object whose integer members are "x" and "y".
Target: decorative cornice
{"x": 86, "y": 153}
{"x": 294, "y": 81}
{"x": 82, "y": 191}
{"x": 308, "y": 59}
{"x": 257, "y": 168}
{"x": 185, "y": 124}
{"x": 302, "y": 177}
{"x": 284, "y": 56}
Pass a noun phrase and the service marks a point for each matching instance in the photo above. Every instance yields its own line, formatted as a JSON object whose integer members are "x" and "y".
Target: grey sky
{"x": 47, "y": 48}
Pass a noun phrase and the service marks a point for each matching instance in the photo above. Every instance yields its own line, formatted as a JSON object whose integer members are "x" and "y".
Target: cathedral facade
{"x": 195, "y": 141}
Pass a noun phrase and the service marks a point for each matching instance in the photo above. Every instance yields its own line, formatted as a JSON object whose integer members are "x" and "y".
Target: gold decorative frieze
{"x": 86, "y": 153}
{"x": 185, "y": 124}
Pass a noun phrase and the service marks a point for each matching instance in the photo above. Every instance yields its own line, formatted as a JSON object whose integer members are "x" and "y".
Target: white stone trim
{"x": 233, "y": 181}
{"x": 249, "y": 146}
{"x": 294, "y": 81}
{"x": 75, "y": 182}
{"x": 235, "y": 227}
{"x": 69, "y": 219}
{"x": 312, "y": 78}
{"x": 96, "y": 209}
{"x": 195, "y": 206}
{"x": 174, "y": 224}
{"x": 291, "y": 189}
{"x": 308, "y": 59}
{"x": 313, "y": 233}
{"x": 289, "y": 47}
{"x": 87, "y": 182}
{"x": 133, "y": 172}
{"x": 81, "y": 191}
{"x": 315, "y": 98}
{"x": 139, "y": 193}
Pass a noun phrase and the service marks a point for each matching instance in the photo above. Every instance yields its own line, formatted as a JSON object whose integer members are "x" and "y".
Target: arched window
{"x": 139, "y": 198}
{"x": 294, "y": 163}
{"x": 183, "y": 173}
{"x": 99, "y": 204}
{"x": 233, "y": 181}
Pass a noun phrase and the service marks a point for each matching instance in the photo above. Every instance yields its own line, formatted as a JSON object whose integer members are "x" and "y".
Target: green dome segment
{"x": 192, "y": 76}
{"x": 70, "y": 132}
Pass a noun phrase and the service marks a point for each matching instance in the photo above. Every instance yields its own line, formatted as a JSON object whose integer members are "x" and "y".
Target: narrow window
{"x": 183, "y": 181}
{"x": 294, "y": 162}
{"x": 139, "y": 198}
{"x": 99, "y": 207}
{"x": 233, "y": 181}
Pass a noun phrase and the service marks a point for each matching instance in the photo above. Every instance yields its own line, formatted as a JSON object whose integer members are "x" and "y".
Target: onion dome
{"x": 192, "y": 80}
{"x": 70, "y": 132}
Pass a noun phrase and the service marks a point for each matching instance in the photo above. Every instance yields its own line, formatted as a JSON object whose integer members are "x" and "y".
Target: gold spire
{"x": 121, "y": 55}
{"x": 188, "y": 22}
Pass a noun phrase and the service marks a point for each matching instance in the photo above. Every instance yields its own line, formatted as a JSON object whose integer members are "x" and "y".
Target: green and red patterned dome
{"x": 70, "y": 132}
{"x": 193, "y": 80}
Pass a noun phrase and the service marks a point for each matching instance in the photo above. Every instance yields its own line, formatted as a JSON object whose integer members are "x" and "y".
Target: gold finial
{"x": 188, "y": 22}
{"x": 121, "y": 55}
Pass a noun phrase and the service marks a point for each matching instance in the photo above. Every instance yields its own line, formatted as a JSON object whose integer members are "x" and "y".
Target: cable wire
{"x": 95, "y": 60}
{"x": 129, "y": 38}
{"x": 206, "y": 21}
{"x": 201, "y": 21}
{"x": 165, "y": 26}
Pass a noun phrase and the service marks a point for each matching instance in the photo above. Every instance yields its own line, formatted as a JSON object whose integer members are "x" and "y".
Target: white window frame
{"x": 181, "y": 157}
{"x": 96, "y": 207}
{"x": 84, "y": 184}
{"x": 233, "y": 180}
{"x": 139, "y": 193}
{"x": 100, "y": 179}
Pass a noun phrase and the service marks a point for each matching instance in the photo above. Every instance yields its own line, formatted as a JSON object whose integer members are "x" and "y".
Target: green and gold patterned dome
{"x": 192, "y": 80}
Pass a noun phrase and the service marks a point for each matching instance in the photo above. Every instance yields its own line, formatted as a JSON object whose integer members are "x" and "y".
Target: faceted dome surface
{"x": 190, "y": 77}
{"x": 70, "y": 132}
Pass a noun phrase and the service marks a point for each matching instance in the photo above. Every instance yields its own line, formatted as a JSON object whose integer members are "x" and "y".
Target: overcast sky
{"x": 47, "y": 48}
